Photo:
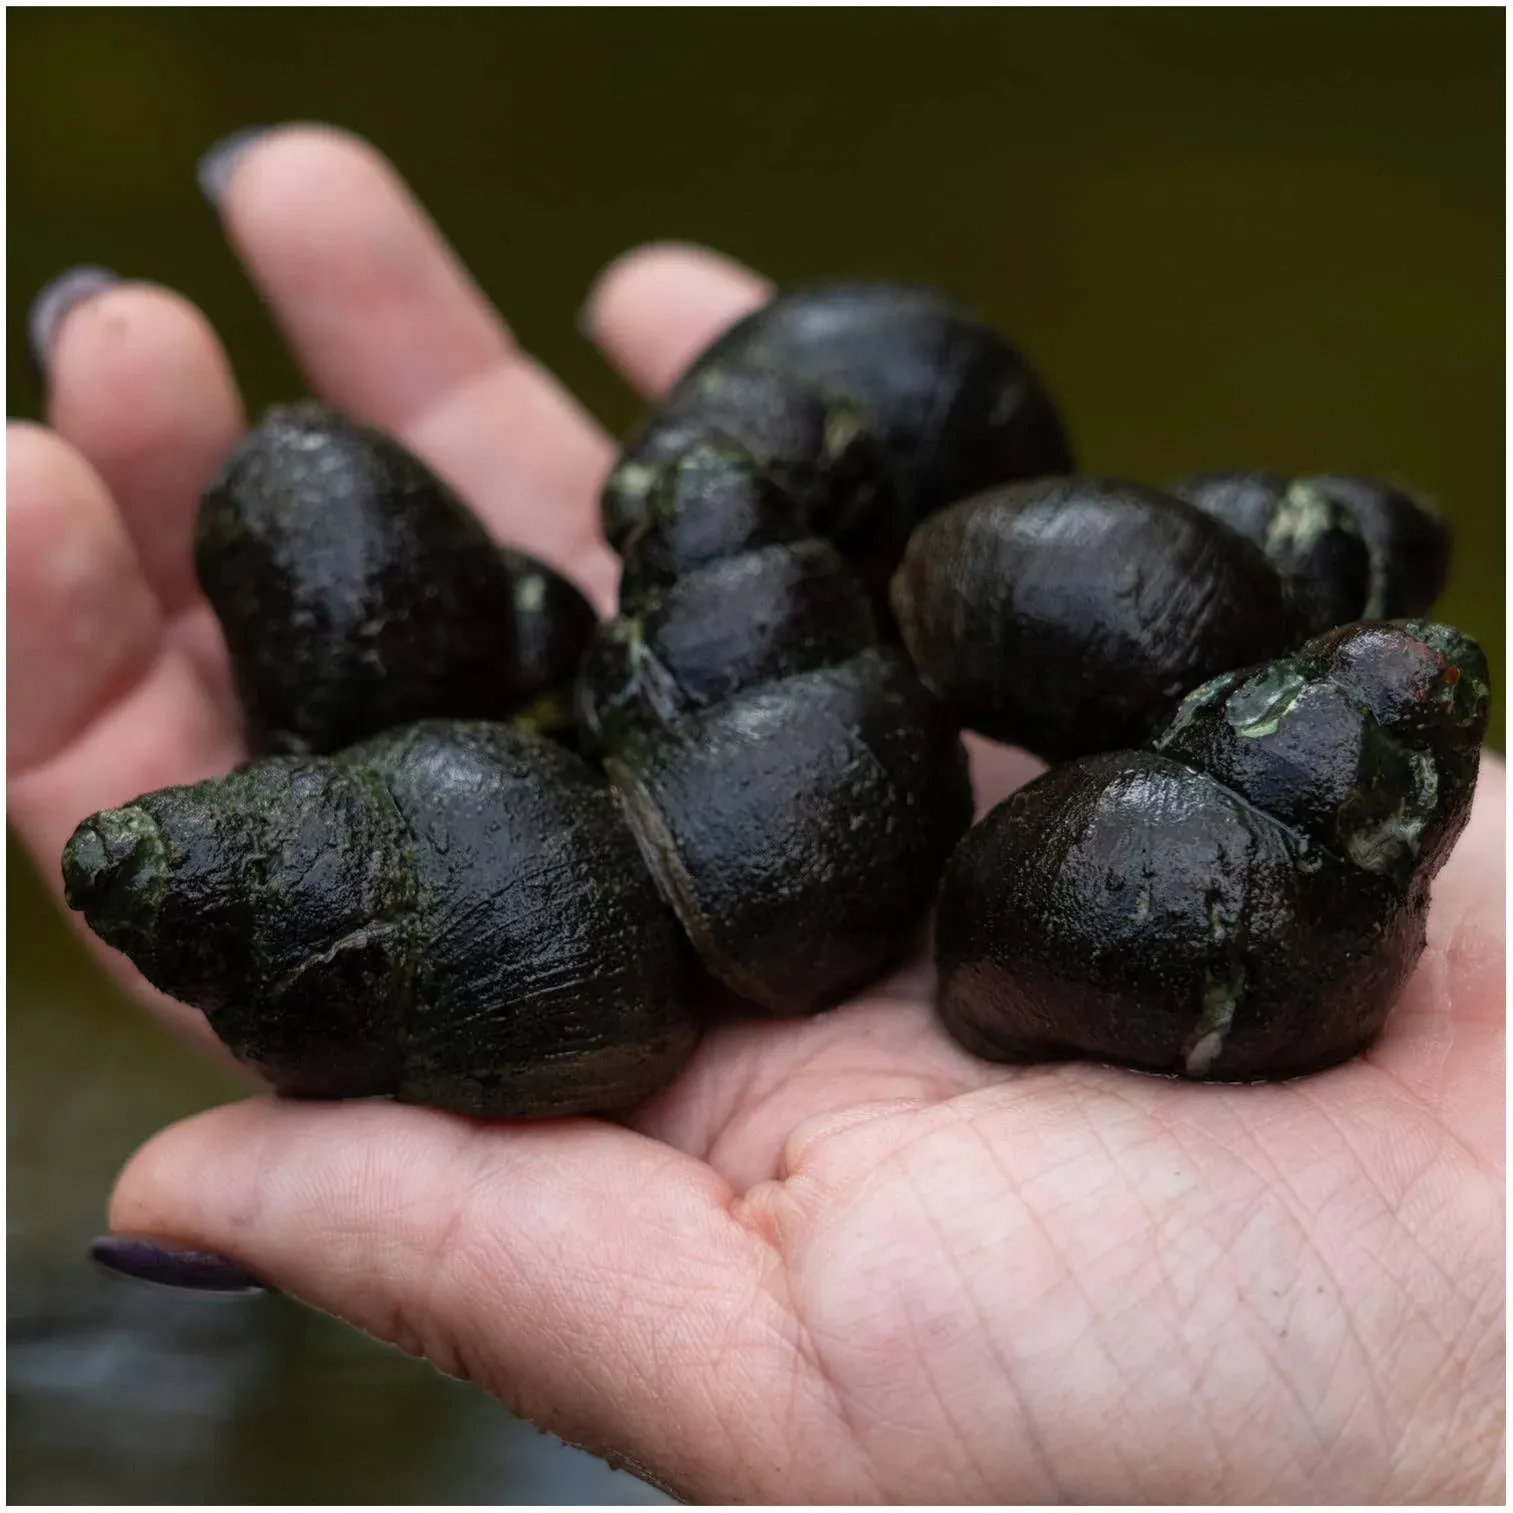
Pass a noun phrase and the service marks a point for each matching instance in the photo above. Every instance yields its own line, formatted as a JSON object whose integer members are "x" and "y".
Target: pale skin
{"x": 840, "y": 1260}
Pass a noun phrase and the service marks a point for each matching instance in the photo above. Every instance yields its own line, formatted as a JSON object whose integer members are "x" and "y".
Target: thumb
{"x": 594, "y": 1280}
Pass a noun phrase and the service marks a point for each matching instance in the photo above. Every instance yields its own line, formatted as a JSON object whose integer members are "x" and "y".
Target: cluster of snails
{"x": 494, "y": 856}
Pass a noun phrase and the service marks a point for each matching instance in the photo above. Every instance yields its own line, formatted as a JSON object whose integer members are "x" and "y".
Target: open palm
{"x": 840, "y": 1260}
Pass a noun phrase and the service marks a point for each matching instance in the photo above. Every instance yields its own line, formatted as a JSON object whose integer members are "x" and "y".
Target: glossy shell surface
{"x": 1072, "y": 615}
{"x": 356, "y": 592}
{"x": 454, "y": 913}
{"x": 1244, "y": 901}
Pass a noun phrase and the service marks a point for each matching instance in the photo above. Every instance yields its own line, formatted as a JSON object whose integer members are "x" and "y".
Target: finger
{"x": 141, "y": 387}
{"x": 592, "y": 1279}
{"x": 389, "y": 327}
{"x": 654, "y": 309}
{"x": 84, "y": 626}
{"x": 103, "y": 706}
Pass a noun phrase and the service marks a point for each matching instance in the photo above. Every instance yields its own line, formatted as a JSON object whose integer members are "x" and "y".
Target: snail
{"x": 1065, "y": 615}
{"x": 871, "y": 404}
{"x": 1070, "y": 615}
{"x": 1244, "y": 898}
{"x": 356, "y": 592}
{"x": 395, "y": 898}
{"x": 452, "y": 913}
{"x": 1350, "y": 548}
{"x": 795, "y": 787}
{"x": 461, "y": 913}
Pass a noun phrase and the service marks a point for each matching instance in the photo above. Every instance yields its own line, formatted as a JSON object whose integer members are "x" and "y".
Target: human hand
{"x": 840, "y": 1260}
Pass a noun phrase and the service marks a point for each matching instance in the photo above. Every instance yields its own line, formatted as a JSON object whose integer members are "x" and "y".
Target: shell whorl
{"x": 795, "y": 789}
{"x": 1246, "y": 898}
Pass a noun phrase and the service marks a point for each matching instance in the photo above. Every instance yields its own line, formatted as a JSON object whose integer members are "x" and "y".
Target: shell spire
{"x": 1243, "y": 899}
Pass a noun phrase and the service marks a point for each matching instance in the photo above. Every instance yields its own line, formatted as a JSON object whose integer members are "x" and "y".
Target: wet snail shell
{"x": 1069, "y": 615}
{"x": 356, "y": 592}
{"x": 462, "y": 914}
{"x": 1298, "y": 521}
{"x": 1245, "y": 898}
{"x": 406, "y": 897}
{"x": 1348, "y": 548}
{"x": 452, "y": 913}
{"x": 870, "y": 404}
{"x": 795, "y": 788}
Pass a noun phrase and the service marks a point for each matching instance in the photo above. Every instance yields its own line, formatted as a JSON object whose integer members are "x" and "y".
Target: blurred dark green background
{"x": 1228, "y": 238}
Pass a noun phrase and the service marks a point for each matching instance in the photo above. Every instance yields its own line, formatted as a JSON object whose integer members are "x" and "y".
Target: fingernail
{"x": 213, "y": 171}
{"x": 63, "y": 294}
{"x": 173, "y": 1266}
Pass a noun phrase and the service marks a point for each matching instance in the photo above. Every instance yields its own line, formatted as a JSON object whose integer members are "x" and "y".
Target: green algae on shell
{"x": 452, "y": 913}
{"x": 1244, "y": 900}
{"x": 796, "y": 790}
{"x": 871, "y": 404}
{"x": 1349, "y": 548}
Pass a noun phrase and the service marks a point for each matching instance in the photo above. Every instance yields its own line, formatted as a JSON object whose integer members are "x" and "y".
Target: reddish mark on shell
{"x": 1451, "y": 675}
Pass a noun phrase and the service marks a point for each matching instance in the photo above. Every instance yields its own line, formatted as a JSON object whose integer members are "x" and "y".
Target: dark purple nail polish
{"x": 174, "y": 1266}
{"x": 54, "y": 302}
{"x": 213, "y": 171}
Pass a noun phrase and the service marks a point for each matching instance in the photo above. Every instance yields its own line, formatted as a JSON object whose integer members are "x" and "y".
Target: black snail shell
{"x": 1244, "y": 899}
{"x": 796, "y": 789}
{"x": 462, "y": 914}
{"x": 1071, "y": 614}
{"x": 356, "y": 592}
{"x": 870, "y": 404}
{"x": 410, "y": 894}
{"x": 1348, "y": 548}
{"x": 452, "y": 913}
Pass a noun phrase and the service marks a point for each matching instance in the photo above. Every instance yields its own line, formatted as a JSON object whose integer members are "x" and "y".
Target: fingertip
{"x": 162, "y": 1264}
{"x": 216, "y": 165}
{"x": 271, "y": 1171}
{"x": 655, "y": 307}
{"x": 143, "y": 388}
{"x": 45, "y": 476}
{"x": 135, "y": 331}
{"x": 390, "y": 327}
{"x": 653, "y": 269}
{"x": 247, "y": 169}
{"x": 162, "y": 1189}
{"x": 52, "y": 305}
